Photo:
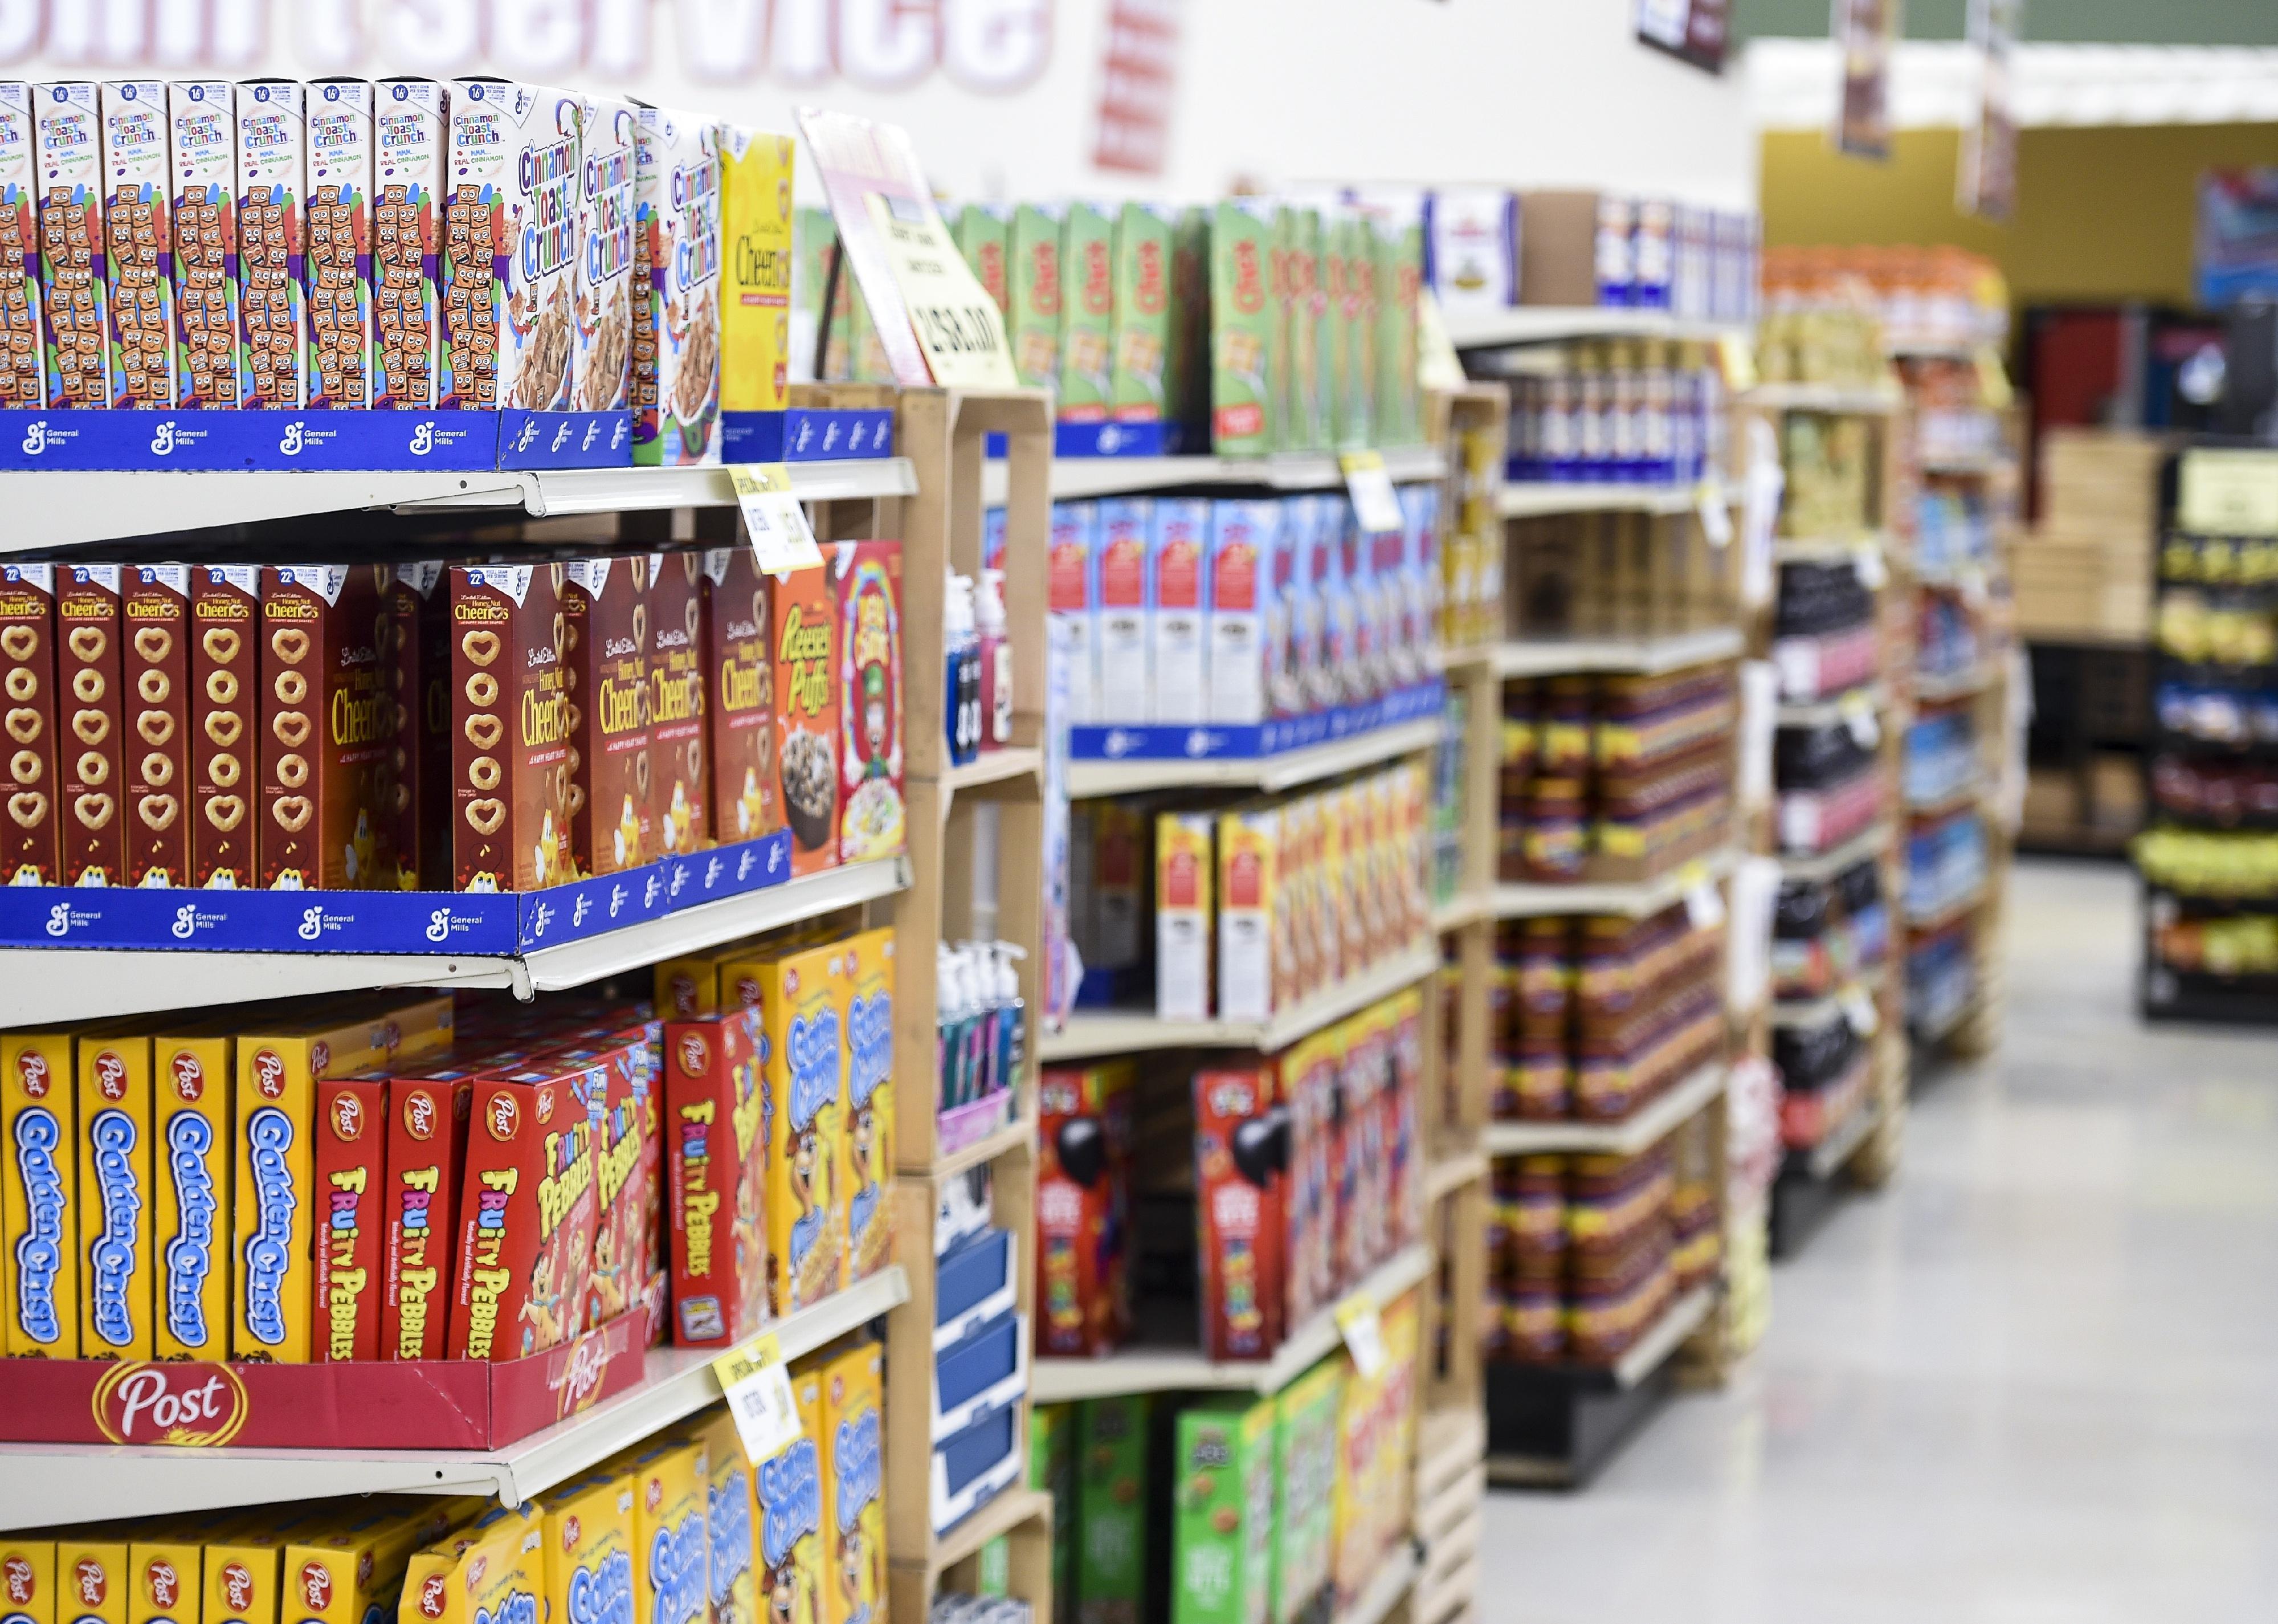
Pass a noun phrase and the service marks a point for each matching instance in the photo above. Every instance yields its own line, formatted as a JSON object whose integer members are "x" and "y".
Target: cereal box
{"x": 671, "y": 1538}
{"x": 191, "y": 1076}
{"x": 1222, "y": 1537}
{"x": 814, "y": 237}
{"x": 271, "y": 155}
{"x": 1248, "y": 355}
{"x": 91, "y": 771}
{"x": 510, "y": 776}
{"x": 1470, "y": 248}
{"x": 39, "y": 1186}
{"x": 22, "y": 378}
{"x": 869, "y": 1137}
{"x": 426, "y": 1157}
{"x": 418, "y": 657}
{"x": 806, "y": 715}
{"x": 1242, "y": 1180}
{"x": 355, "y": 1574}
{"x": 1069, "y": 583}
{"x": 601, "y": 371}
{"x": 1179, "y": 590}
{"x": 95, "y": 1576}
{"x": 410, "y": 127}
{"x": 350, "y": 1168}
{"x": 716, "y": 1173}
{"x": 853, "y": 1455}
{"x": 1283, "y": 618}
{"x": 1306, "y": 417}
{"x": 1183, "y": 876}
{"x": 731, "y": 1567}
{"x": 1305, "y": 1465}
{"x": 612, "y": 827}
{"x": 676, "y": 222}
{"x": 1245, "y": 538}
{"x": 510, "y": 239}
{"x": 982, "y": 231}
{"x": 589, "y": 1568}
{"x": 789, "y": 1488}
{"x": 338, "y": 260}
{"x": 27, "y": 1580}
{"x": 616, "y": 1092}
{"x": 1143, "y": 327}
{"x": 74, "y": 288}
{"x": 1256, "y": 966}
{"x": 866, "y": 595}
{"x": 497, "y": 1576}
{"x": 527, "y": 1214}
{"x": 115, "y": 1109}
{"x": 154, "y": 701}
{"x": 739, "y": 702}
{"x": 1083, "y": 1278}
{"x": 327, "y": 753}
{"x": 139, "y": 248}
{"x": 32, "y": 854}
{"x": 1087, "y": 304}
{"x": 201, "y": 123}
{"x": 803, "y": 1000}
{"x": 755, "y": 234}
{"x": 243, "y": 1579}
{"x": 1033, "y": 254}
{"x": 225, "y": 705}
{"x": 1124, "y": 620}
{"x": 680, "y": 795}
{"x": 1112, "y": 1499}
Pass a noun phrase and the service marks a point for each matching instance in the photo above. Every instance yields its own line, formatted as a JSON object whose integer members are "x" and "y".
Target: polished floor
{"x": 2034, "y": 1381}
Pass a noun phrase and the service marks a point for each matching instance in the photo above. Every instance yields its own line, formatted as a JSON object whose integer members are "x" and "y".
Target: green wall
{"x": 2126, "y": 22}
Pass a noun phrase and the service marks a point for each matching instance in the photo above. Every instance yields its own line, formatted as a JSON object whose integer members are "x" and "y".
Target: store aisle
{"x": 2036, "y": 1381}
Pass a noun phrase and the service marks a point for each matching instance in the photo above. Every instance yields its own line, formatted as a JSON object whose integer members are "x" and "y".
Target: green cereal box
{"x": 1222, "y": 1525}
{"x": 1306, "y": 421}
{"x": 1111, "y": 1562}
{"x": 1142, "y": 314}
{"x": 1186, "y": 378}
{"x": 1087, "y": 312}
{"x": 1032, "y": 262}
{"x": 983, "y": 233}
{"x": 1051, "y": 1467}
{"x": 1399, "y": 278}
{"x": 1247, "y": 352}
{"x": 1305, "y": 1467}
{"x": 813, "y": 236}
{"x": 1354, "y": 239}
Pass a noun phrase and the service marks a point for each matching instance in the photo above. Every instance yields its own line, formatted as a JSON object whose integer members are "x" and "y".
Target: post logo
{"x": 419, "y": 1114}
{"x": 268, "y": 1249}
{"x": 189, "y": 1077}
{"x": 348, "y": 1118}
{"x": 502, "y": 1115}
{"x": 198, "y": 1405}
{"x": 269, "y": 1074}
{"x": 110, "y": 1076}
{"x": 32, "y": 1074}
{"x": 316, "y": 1586}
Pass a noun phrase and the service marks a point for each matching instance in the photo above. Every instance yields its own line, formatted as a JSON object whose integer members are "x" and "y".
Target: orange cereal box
{"x": 854, "y": 1513}
{"x": 802, "y": 1004}
{"x": 39, "y": 1189}
{"x": 807, "y": 716}
{"x": 868, "y": 1139}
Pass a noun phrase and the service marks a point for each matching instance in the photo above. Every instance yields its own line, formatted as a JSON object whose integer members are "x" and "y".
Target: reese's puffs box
{"x": 715, "y": 1169}
{"x": 526, "y": 1216}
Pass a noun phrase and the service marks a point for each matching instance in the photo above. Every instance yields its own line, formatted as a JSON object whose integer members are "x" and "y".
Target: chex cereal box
{"x": 729, "y": 1519}
{"x": 755, "y": 240}
{"x": 67, "y": 145}
{"x": 602, "y": 370}
{"x": 39, "y": 1193}
{"x": 201, "y": 123}
{"x": 27, "y": 1582}
{"x": 115, "y": 1109}
{"x": 192, "y": 1076}
{"x": 510, "y": 246}
{"x": 869, "y": 1137}
{"x": 409, "y": 132}
{"x": 802, "y": 1003}
{"x": 854, "y": 1510}
{"x": 1087, "y": 379}
{"x": 526, "y": 1216}
{"x": 589, "y": 1566}
{"x": 671, "y": 1535}
{"x": 139, "y": 251}
{"x": 350, "y": 1168}
{"x": 676, "y": 222}
{"x": 1144, "y": 316}
{"x": 1033, "y": 261}
{"x": 22, "y": 349}
{"x": 338, "y": 262}
{"x": 789, "y": 1488}
{"x": 271, "y": 237}
{"x": 426, "y": 1154}
{"x": 715, "y": 1166}
{"x": 30, "y": 847}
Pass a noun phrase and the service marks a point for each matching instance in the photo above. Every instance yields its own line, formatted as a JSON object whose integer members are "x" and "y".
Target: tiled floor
{"x": 2034, "y": 1381}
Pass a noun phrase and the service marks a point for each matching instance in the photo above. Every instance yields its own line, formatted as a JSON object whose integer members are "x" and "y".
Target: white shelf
{"x": 995, "y": 767}
{"x": 1089, "y": 779}
{"x": 78, "y": 983}
{"x": 1540, "y": 324}
{"x": 1648, "y": 656}
{"x": 1827, "y": 865}
{"x": 1448, "y": 1174}
{"x": 1150, "y": 1370}
{"x": 44, "y": 1484}
{"x": 1631, "y": 901}
{"x": 1640, "y": 1131}
{"x": 1388, "y": 1589}
{"x": 1856, "y": 400}
{"x": 1958, "y": 798}
{"x": 1087, "y": 1036}
{"x": 1946, "y": 913}
{"x": 1074, "y": 478}
{"x": 1677, "y": 1322}
{"x": 1464, "y": 909}
{"x": 66, "y": 508}
{"x": 1827, "y": 549}
{"x": 1530, "y": 500}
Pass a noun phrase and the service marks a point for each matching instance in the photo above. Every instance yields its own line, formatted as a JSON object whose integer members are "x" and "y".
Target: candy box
{"x": 327, "y": 747}
{"x": 806, "y": 715}
{"x": 671, "y": 1536}
{"x": 868, "y": 1138}
{"x": 510, "y": 244}
{"x": 866, "y": 598}
{"x": 224, "y": 633}
{"x": 755, "y": 232}
{"x": 154, "y": 704}
{"x": 601, "y": 369}
{"x": 74, "y": 291}
{"x": 1070, "y": 583}
{"x": 271, "y": 224}
{"x": 1033, "y": 257}
{"x": 790, "y": 1490}
{"x": 1178, "y": 588}
{"x": 803, "y": 999}
{"x": 677, "y": 245}
{"x": 426, "y": 1162}
{"x": 350, "y": 1169}
{"x": 1087, "y": 360}
{"x": 192, "y": 1071}
{"x": 22, "y": 378}
{"x": 611, "y": 824}
{"x": 90, "y": 767}
{"x": 139, "y": 250}
{"x": 39, "y": 1195}
{"x": 1222, "y": 1532}
{"x": 1123, "y": 618}
{"x": 1241, "y": 1164}
{"x": 1112, "y": 1500}
{"x": 409, "y": 123}
{"x": 1083, "y": 1192}
{"x": 510, "y": 742}
{"x": 739, "y": 702}
{"x": 527, "y": 1214}
{"x": 31, "y": 855}
{"x": 338, "y": 262}
{"x": 1249, "y": 338}
{"x": 853, "y": 1457}
{"x": 715, "y": 1164}
{"x": 680, "y": 791}
{"x": 115, "y": 1174}
{"x": 590, "y": 1556}
{"x": 1245, "y": 611}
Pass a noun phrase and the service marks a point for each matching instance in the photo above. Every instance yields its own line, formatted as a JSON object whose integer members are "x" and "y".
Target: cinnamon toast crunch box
{"x": 39, "y": 1187}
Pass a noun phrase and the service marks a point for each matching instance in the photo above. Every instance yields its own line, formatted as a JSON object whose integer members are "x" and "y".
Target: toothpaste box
{"x": 602, "y": 369}
{"x": 208, "y": 362}
{"x": 1076, "y": 536}
{"x": 510, "y": 243}
{"x": 1245, "y": 541}
{"x": 338, "y": 260}
{"x": 410, "y": 126}
{"x": 1249, "y": 334}
{"x": 1143, "y": 342}
{"x": 1032, "y": 258}
{"x": 1087, "y": 307}
{"x": 115, "y": 1171}
{"x": 716, "y": 1161}
{"x": 139, "y": 250}
{"x": 272, "y": 227}
{"x": 1184, "y": 875}
{"x": 1471, "y": 248}
{"x": 350, "y": 1169}
{"x": 756, "y": 168}
{"x": 39, "y": 1195}
{"x": 676, "y": 226}
{"x": 22, "y": 377}
{"x": 426, "y": 1159}
{"x": 1179, "y": 589}
{"x": 192, "y": 1075}
{"x": 1124, "y": 611}
{"x": 74, "y": 290}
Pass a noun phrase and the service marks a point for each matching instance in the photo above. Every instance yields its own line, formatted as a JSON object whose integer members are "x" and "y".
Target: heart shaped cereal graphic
{"x": 92, "y": 726}
{"x": 154, "y": 643}
{"x": 156, "y": 726}
{"x": 225, "y": 812}
{"x": 292, "y": 812}
{"x": 220, "y": 644}
{"x": 88, "y": 642}
{"x": 223, "y": 726}
{"x": 28, "y": 807}
{"x": 20, "y": 642}
{"x": 484, "y": 817}
{"x": 94, "y": 811}
{"x": 23, "y": 724}
{"x": 158, "y": 811}
{"x": 480, "y": 647}
{"x": 289, "y": 644}
{"x": 291, "y": 728}
{"x": 221, "y": 687}
{"x": 483, "y": 732}
{"x": 22, "y": 683}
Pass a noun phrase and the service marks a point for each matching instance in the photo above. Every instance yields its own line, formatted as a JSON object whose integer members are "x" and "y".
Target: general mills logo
{"x": 679, "y": 877}
{"x": 712, "y": 869}
{"x": 593, "y": 427}
{"x": 617, "y": 432}
{"x": 162, "y": 438}
{"x": 1111, "y": 439}
{"x": 312, "y": 924}
{"x": 648, "y": 890}
{"x": 1121, "y": 743}
{"x": 617, "y": 901}
{"x": 439, "y": 925}
{"x": 422, "y": 439}
{"x": 528, "y": 435}
{"x": 579, "y": 909}
{"x": 185, "y": 922}
{"x": 36, "y": 437}
{"x": 561, "y": 432}
{"x": 59, "y": 919}
{"x": 540, "y": 918}
{"x": 290, "y": 445}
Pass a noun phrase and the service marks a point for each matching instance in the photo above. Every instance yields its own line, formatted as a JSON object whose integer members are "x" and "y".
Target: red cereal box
{"x": 1241, "y": 1163}
{"x": 620, "y": 1068}
{"x": 426, "y": 1154}
{"x": 526, "y": 1215}
{"x": 1083, "y": 1185}
{"x": 351, "y": 1171}
{"x": 716, "y": 1110}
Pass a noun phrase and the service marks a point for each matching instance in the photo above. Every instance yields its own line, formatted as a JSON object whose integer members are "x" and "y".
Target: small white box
{"x": 1470, "y": 235}
{"x": 338, "y": 260}
{"x": 1244, "y": 538}
{"x": 513, "y": 203}
{"x": 1075, "y": 533}
{"x": 602, "y": 374}
{"x": 1179, "y": 586}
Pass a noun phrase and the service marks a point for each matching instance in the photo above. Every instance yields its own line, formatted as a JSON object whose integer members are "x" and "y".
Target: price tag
{"x": 757, "y": 1385}
{"x": 782, "y": 539}
{"x": 2228, "y": 493}
{"x": 1376, "y": 505}
{"x": 1860, "y": 1011}
{"x": 1364, "y": 1333}
{"x": 1858, "y": 713}
{"x": 1866, "y": 563}
{"x": 1993, "y": 379}
{"x": 1715, "y": 512}
{"x": 1437, "y": 365}
{"x": 957, "y": 324}
{"x": 1704, "y": 904}
{"x": 1738, "y": 361}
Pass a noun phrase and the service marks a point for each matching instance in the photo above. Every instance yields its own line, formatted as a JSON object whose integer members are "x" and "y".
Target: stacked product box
{"x": 1624, "y": 411}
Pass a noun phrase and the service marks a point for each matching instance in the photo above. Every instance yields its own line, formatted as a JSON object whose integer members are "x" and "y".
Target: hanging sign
{"x": 1987, "y": 184}
{"x": 1865, "y": 35}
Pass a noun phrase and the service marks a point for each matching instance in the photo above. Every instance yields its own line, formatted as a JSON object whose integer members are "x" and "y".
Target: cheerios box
{"x": 139, "y": 255}
{"x": 716, "y": 1172}
{"x": 739, "y": 711}
{"x": 867, "y": 1140}
{"x": 30, "y": 851}
{"x": 510, "y": 243}
{"x": 671, "y": 1532}
{"x": 1222, "y": 1527}
{"x": 756, "y": 168}
{"x": 601, "y": 371}
{"x": 588, "y": 1570}
{"x": 39, "y": 1194}
{"x": 67, "y": 144}
{"x": 677, "y": 348}
{"x": 527, "y": 1215}
{"x": 854, "y": 1510}
{"x": 803, "y": 1003}
{"x": 23, "y": 381}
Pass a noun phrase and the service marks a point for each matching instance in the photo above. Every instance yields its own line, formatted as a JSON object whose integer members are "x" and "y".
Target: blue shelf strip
{"x": 801, "y": 435}
{"x": 487, "y": 924}
{"x": 1170, "y": 741}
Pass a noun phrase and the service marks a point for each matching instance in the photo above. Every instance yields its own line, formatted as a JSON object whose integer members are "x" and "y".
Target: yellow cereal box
{"x": 243, "y": 1580}
{"x": 27, "y": 1582}
{"x": 789, "y": 1490}
{"x": 854, "y": 1515}
{"x": 349, "y": 1575}
{"x": 728, "y": 1520}
{"x": 672, "y": 1537}
{"x": 589, "y": 1550}
{"x": 190, "y": 1085}
{"x": 803, "y": 1002}
{"x": 93, "y": 1577}
{"x": 115, "y": 1178}
{"x": 39, "y": 1183}
{"x": 163, "y": 1579}
{"x": 868, "y": 1138}
{"x": 491, "y": 1578}
{"x": 755, "y": 217}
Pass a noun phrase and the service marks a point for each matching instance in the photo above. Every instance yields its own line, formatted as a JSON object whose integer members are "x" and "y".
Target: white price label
{"x": 1860, "y": 1010}
{"x": 782, "y": 540}
{"x": 757, "y": 1385}
{"x": 1715, "y": 512}
{"x": 1866, "y": 563}
{"x": 1704, "y": 904}
{"x": 1858, "y": 713}
{"x": 1364, "y": 1333}
{"x": 1376, "y": 505}
{"x": 1974, "y": 589}
{"x": 959, "y": 325}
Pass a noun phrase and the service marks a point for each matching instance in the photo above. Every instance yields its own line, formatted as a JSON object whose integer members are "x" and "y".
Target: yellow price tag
{"x": 782, "y": 540}
{"x": 756, "y": 1383}
{"x": 959, "y": 325}
{"x": 1376, "y": 505}
{"x": 1736, "y": 358}
{"x": 1993, "y": 379}
{"x": 1363, "y": 1329}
